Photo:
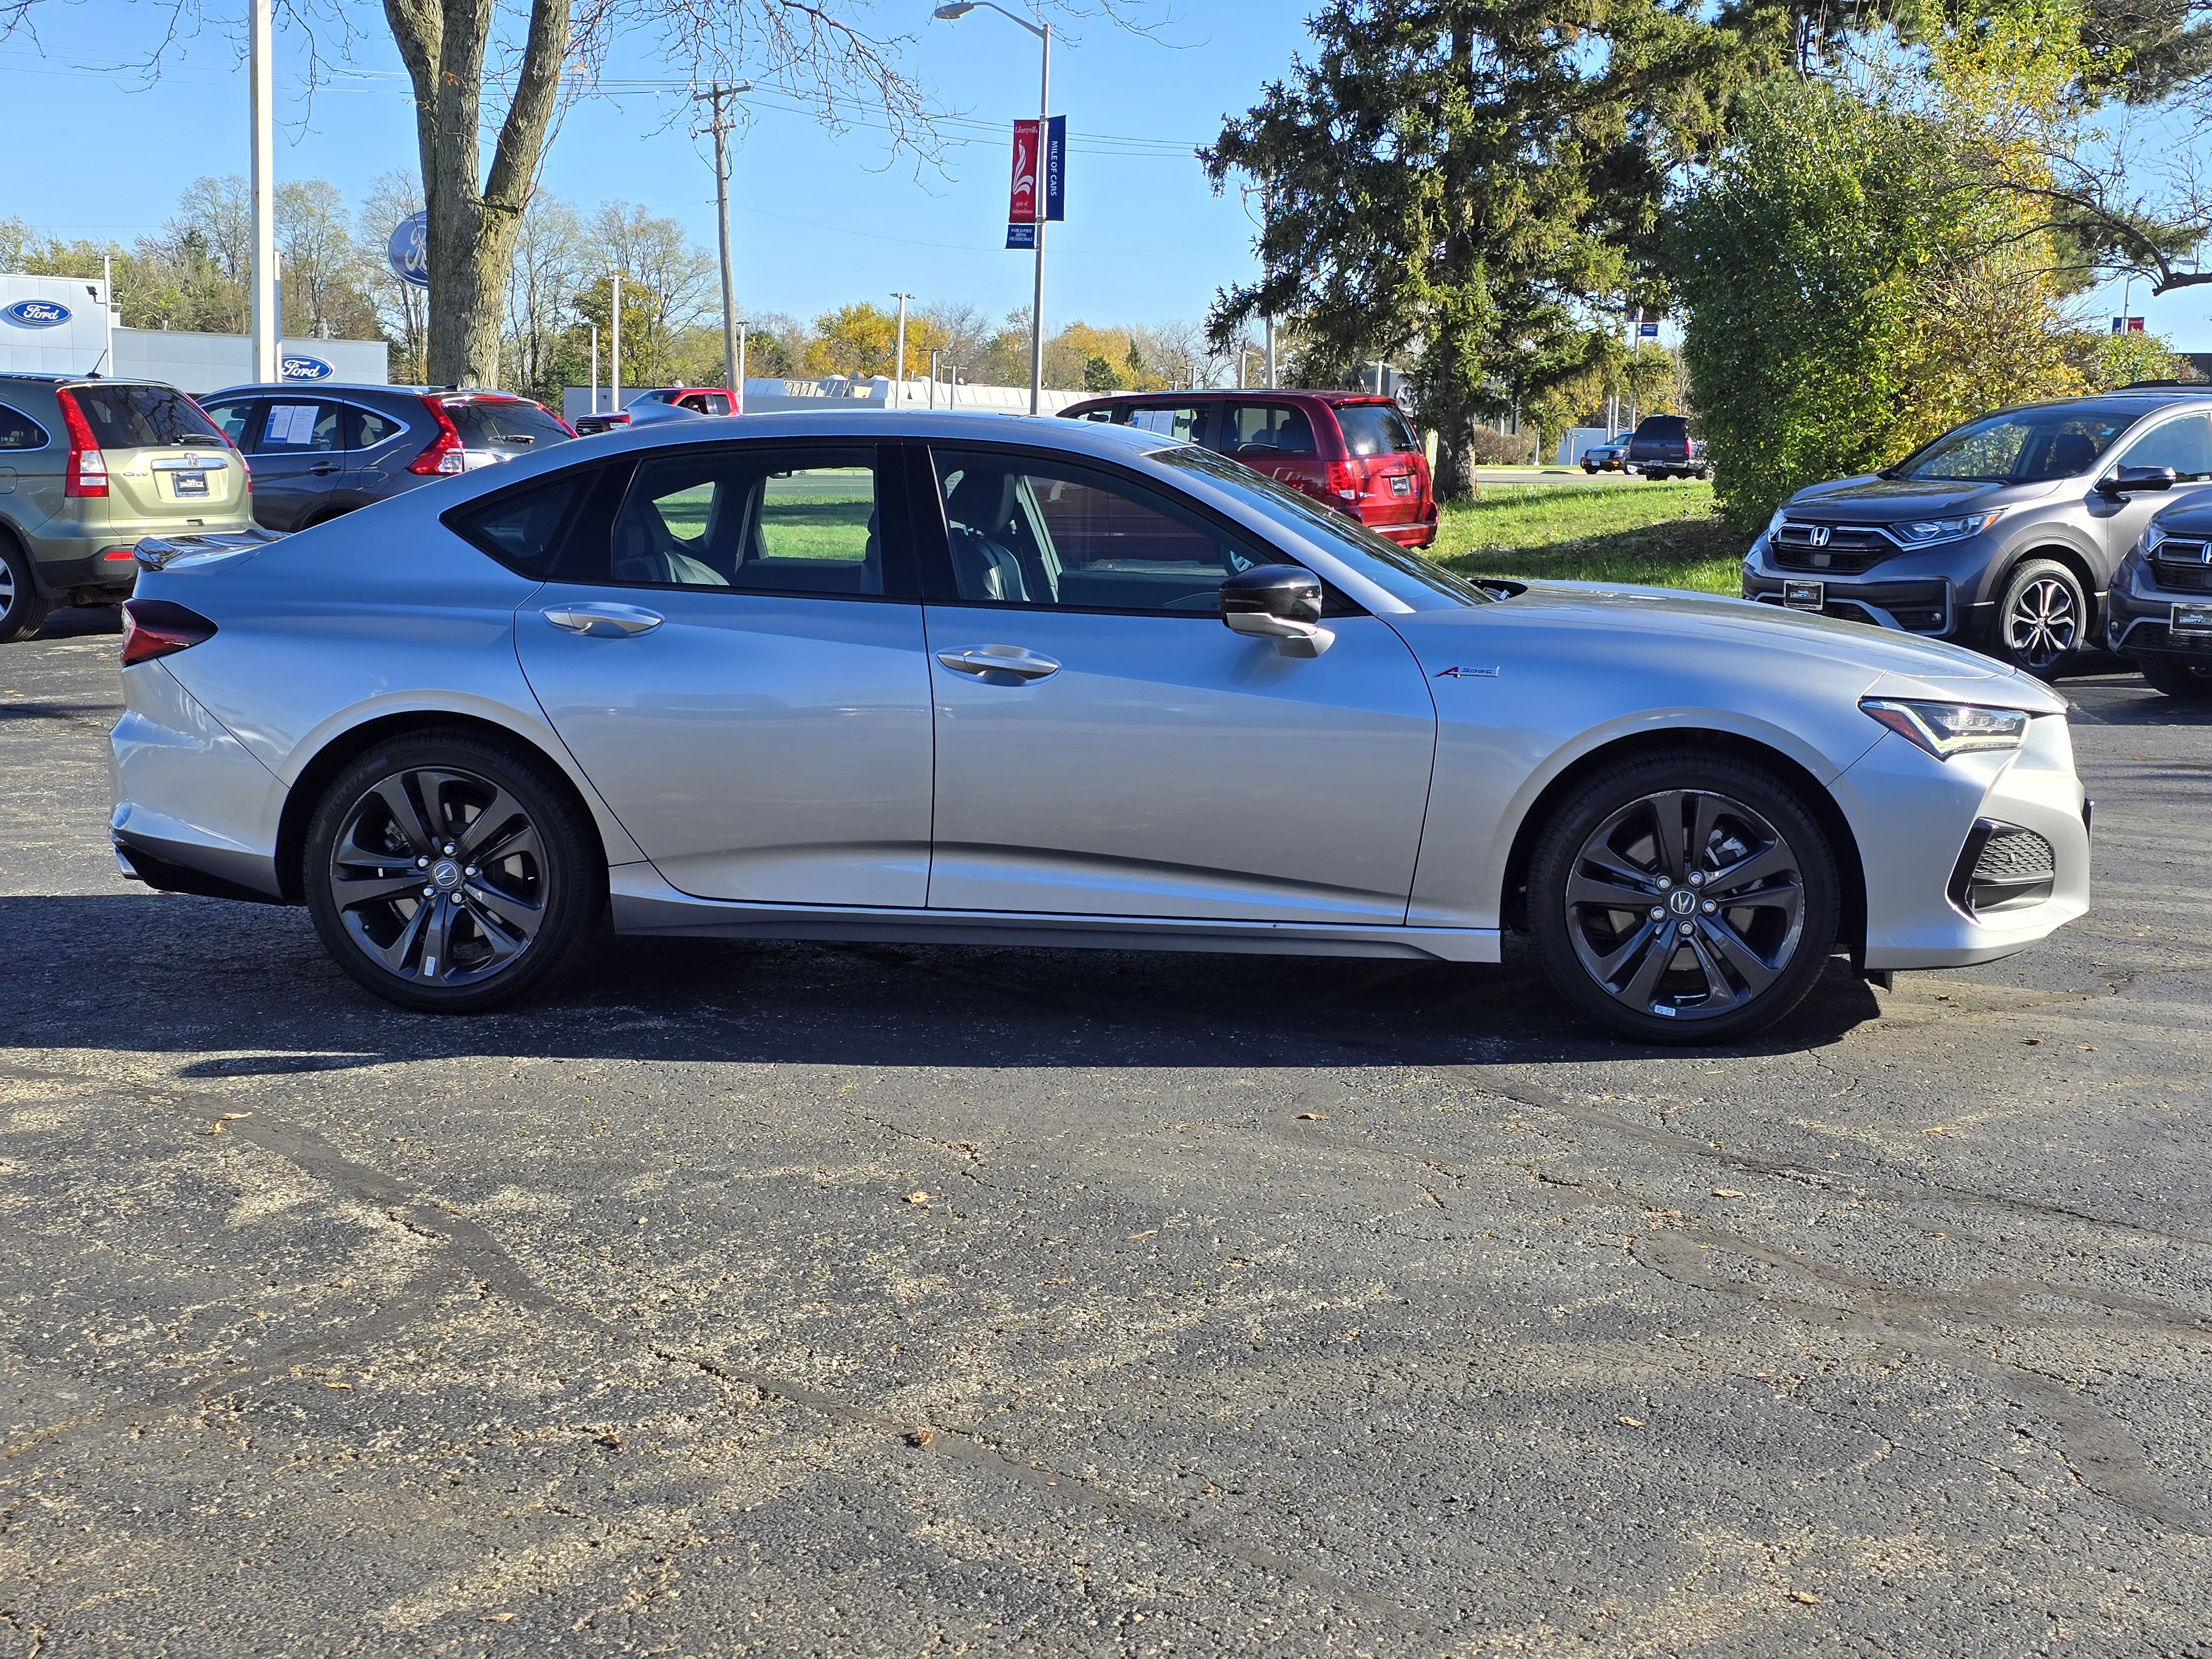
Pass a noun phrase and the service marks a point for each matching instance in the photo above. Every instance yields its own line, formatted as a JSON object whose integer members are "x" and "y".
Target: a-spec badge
{"x": 1466, "y": 673}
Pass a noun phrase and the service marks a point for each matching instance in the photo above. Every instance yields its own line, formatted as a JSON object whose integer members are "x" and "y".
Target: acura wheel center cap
{"x": 1682, "y": 901}
{"x": 446, "y": 875}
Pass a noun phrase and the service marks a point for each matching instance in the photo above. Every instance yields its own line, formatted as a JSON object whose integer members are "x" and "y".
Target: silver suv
{"x": 87, "y": 467}
{"x": 2003, "y": 534}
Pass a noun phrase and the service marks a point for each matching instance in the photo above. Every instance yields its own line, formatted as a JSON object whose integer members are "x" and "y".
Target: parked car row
{"x": 2031, "y": 534}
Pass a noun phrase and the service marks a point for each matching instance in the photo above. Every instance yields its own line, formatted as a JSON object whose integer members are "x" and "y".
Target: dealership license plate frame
{"x": 2191, "y": 619}
{"x": 191, "y": 484}
{"x": 1400, "y": 484}
{"x": 1812, "y": 597}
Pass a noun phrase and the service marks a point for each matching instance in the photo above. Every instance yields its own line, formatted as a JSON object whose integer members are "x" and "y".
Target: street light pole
{"x": 614, "y": 363}
{"x": 268, "y": 327}
{"x": 1271, "y": 351}
{"x": 934, "y": 356}
{"x": 950, "y": 14}
{"x": 737, "y": 390}
{"x": 899, "y": 399}
{"x": 720, "y": 128}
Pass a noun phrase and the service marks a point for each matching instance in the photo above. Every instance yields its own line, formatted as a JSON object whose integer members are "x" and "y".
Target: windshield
{"x": 1402, "y": 575}
{"x": 2021, "y": 446}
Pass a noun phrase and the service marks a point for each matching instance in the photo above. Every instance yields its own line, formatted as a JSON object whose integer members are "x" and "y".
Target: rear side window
{"x": 371, "y": 428}
{"x": 19, "y": 431}
{"x": 520, "y": 528}
{"x": 1375, "y": 429}
{"x": 504, "y": 425}
{"x": 1186, "y": 421}
{"x": 1260, "y": 431}
{"x": 748, "y": 520}
{"x": 141, "y": 416}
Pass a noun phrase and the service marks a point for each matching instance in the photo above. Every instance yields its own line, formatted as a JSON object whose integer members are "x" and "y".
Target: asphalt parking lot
{"x": 864, "y": 1300}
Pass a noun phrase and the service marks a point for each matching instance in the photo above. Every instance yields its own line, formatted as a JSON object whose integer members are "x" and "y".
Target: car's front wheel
{"x": 23, "y": 608}
{"x": 2043, "y": 618}
{"x": 1682, "y": 896}
{"x": 448, "y": 871}
{"x": 2176, "y": 676}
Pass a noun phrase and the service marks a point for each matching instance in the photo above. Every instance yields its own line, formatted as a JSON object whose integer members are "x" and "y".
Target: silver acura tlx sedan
{"x": 978, "y": 678}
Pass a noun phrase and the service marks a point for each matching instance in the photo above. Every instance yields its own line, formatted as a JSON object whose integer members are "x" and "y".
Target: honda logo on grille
{"x": 1816, "y": 534}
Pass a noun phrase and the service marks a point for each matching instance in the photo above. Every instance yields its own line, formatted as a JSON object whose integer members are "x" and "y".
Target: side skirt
{"x": 644, "y": 905}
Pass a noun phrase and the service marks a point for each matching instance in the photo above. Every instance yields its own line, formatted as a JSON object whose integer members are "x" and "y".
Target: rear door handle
{"x": 604, "y": 622}
{"x": 986, "y": 659}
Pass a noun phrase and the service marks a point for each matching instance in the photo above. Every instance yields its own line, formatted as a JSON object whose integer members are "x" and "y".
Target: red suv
{"x": 1354, "y": 451}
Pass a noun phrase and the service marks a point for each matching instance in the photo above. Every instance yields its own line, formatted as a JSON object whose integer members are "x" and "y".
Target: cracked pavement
{"x": 879, "y": 1300}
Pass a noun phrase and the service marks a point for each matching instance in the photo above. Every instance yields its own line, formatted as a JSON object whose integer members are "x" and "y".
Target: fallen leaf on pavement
{"x": 1153, "y": 1232}
{"x": 917, "y": 1198}
{"x": 1313, "y": 1118}
{"x": 1806, "y": 1596}
{"x": 1633, "y": 1422}
{"x": 1728, "y": 1192}
{"x": 921, "y": 1437}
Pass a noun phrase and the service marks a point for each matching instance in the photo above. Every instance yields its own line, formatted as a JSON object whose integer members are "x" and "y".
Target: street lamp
{"x": 898, "y": 397}
{"x": 952, "y": 14}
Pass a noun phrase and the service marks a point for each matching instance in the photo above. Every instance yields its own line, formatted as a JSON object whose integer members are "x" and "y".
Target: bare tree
{"x": 322, "y": 283}
{"x": 550, "y": 262}
{"x": 220, "y": 212}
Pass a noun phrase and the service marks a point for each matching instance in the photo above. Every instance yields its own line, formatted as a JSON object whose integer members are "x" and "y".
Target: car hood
{"x": 1871, "y": 499}
{"x": 1877, "y": 660}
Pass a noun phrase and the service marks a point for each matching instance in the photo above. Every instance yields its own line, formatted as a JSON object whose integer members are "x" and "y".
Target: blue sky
{"x": 820, "y": 217}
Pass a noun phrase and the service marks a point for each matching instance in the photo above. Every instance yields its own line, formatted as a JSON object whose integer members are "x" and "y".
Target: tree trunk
{"x": 472, "y": 225}
{"x": 1455, "y": 474}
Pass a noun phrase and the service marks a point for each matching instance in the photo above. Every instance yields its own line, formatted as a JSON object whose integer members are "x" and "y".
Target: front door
{"x": 737, "y": 665}
{"x": 2184, "y": 444}
{"x": 1106, "y": 747}
{"x": 299, "y": 459}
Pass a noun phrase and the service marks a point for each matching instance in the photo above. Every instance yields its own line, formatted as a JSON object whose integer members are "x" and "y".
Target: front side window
{"x": 757, "y": 520}
{"x": 1260, "y": 432}
{"x": 2185, "y": 445}
{"x": 2024, "y": 445}
{"x": 1027, "y": 531}
{"x": 299, "y": 428}
{"x": 19, "y": 431}
{"x": 141, "y": 416}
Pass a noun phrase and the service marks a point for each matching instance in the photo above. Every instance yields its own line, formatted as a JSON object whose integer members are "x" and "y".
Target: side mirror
{"x": 2130, "y": 479}
{"x": 1278, "y": 602}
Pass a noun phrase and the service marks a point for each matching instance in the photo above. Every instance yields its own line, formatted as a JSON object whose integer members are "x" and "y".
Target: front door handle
{"x": 326, "y": 469}
{"x": 604, "y": 622}
{"x": 986, "y": 660}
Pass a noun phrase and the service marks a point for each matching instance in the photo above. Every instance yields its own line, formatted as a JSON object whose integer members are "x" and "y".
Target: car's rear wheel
{"x": 1684, "y": 897}
{"x": 2176, "y": 676}
{"x": 449, "y": 872}
{"x": 2043, "y": 618}
{"x": 23, "y": 608}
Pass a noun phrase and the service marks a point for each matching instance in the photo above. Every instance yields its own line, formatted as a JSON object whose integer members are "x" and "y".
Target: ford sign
{"x": 407, "y": 249}
{"x": 304, "y": 368}
{"x": 35, "y": 313}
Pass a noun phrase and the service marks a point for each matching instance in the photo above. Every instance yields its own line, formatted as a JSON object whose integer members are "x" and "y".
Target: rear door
{"x": 734, "y": 654}
{"x": 299, "y": 459}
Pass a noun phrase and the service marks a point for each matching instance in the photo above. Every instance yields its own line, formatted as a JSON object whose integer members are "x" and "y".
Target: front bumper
{"x": 1923, "y": 594}
{"x": 2138, "y": 617}
{"x": 1915, "y": 817}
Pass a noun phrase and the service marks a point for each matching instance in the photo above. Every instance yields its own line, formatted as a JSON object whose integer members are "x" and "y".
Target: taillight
{"x": 85, "y": 472}
{"x": 157, "y": 628}
{"x": 1345, "y": 480}
{"x": 444, "y": 453}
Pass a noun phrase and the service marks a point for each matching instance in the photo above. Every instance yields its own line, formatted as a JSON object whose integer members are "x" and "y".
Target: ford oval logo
{"x": 36, "y": 314}
{"x": 304, "y": 368}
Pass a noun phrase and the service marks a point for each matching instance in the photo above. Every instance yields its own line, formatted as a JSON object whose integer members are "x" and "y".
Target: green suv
{"x": 87, "y": 467}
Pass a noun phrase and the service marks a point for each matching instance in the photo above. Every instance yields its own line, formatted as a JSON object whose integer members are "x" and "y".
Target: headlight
{"x": 1945, "y": 729}
{"x": 1775, "y": 523}
{"x": 1926, "y": 532}
{"x": 2153, "y": 533}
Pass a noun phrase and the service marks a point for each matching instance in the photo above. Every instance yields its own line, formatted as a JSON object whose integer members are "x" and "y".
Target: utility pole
{"x": 900, "y": 399}
{"x": 952, "y": 384}
{"x": 720, "y": 127}
{"x": 268, "y": 327}
{"x": 738, "y": 391}
{"x": 615, "y": 374}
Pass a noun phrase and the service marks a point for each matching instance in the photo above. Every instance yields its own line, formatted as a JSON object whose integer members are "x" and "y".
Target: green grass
{"x": 1653, "y": 535}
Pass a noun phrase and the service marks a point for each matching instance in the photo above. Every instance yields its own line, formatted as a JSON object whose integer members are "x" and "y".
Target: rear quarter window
{"x": 1375, "y": 429}
{"x": 142, "y": 416}
{"x": 521, "y": 528}
{"x": 19, "y": 431}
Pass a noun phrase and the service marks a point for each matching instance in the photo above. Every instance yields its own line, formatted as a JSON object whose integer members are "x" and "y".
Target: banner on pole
{"x": 1021, "y": 236}
{"x": 1055, "y": 167}
{"x": 1022, "y": 199}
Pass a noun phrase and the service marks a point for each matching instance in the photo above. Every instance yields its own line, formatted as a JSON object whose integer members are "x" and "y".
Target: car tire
{"x": 477, "y": 932}
{"x": 1606, "y": 860}
{"x": 23, "y": 608}
{"x": 2042, "y": 621}
{"x": 2176, "y": 676}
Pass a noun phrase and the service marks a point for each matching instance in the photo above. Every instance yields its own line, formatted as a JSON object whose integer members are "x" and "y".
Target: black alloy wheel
{"x": 2176, "y": 676}
{"x": 449, "y": 874}
{"x": 2043, "y": 618}
{"x": 1684, "y": 898}
{"x": 23, "y": 610}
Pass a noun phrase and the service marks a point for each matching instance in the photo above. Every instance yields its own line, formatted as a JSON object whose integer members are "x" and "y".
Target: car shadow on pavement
{"x": 249, "y": 986}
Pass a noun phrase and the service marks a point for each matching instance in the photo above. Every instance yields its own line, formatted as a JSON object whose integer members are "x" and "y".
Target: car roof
{"x": 1335, "y": 399}
{"x": 2131, "y": 401}
{"x": 356, "y": 388}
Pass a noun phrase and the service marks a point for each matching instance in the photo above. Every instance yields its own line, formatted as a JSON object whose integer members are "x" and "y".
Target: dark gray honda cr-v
{"x": 320, "y": 450}
{"x": 2003, "y": 534}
